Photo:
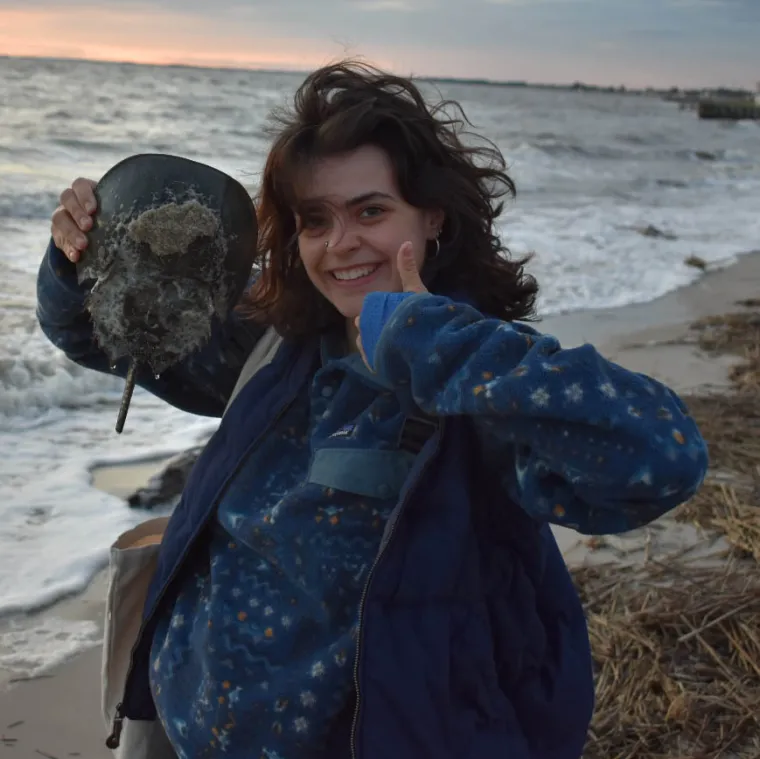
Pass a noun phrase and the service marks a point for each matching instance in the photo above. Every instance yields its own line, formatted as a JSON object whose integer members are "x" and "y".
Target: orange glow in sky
{"x": 153, "y": 37}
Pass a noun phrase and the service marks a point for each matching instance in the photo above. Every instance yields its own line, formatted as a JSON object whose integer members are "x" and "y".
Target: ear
{"x": 434, "y": 223}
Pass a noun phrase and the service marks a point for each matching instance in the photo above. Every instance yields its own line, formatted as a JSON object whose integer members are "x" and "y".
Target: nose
{"x": 343, "y": 237}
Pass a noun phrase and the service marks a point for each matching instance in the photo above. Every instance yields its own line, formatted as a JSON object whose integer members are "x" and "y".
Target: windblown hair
{"x": 348, "y": 105}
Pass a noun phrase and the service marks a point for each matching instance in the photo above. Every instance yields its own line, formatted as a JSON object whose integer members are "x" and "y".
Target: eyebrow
{"x": 364, "y": 197}
{"x": 351, "y": 202}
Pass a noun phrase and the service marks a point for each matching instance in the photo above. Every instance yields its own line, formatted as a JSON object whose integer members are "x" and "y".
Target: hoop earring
{"x": 437, "y": 250}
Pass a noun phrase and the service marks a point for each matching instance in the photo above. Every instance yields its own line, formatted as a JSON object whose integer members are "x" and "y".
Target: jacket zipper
{"x": 365, "y": 593}
{"x": 114, "y": 739}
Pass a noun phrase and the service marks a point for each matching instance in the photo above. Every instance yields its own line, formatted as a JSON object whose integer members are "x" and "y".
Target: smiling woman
{"x": 362, "y": 563}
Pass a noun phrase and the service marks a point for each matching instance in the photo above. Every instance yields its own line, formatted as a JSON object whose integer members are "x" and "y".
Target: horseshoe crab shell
{"x": 171, "y": 249}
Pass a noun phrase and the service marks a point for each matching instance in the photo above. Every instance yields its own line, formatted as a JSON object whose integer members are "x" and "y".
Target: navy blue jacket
{"x": 473, "y": 642}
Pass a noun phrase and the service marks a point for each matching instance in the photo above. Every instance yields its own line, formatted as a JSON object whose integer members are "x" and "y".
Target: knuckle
{"x": 84, "y": 187}
{"x": 57, "y": 219}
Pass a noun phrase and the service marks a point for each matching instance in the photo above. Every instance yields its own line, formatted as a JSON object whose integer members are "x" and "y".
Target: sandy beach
{"x": 57, "y": 713}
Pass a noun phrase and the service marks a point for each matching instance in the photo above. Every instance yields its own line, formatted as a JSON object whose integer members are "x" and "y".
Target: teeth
{"x": 357, "y": 273}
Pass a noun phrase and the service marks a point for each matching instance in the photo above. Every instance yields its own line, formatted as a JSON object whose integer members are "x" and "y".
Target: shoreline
{"x": 58, "y": 712}
{"x": 738, "y": 280}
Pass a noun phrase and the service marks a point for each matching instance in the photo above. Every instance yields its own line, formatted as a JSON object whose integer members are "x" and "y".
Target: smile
{"x": 354, "y": 273}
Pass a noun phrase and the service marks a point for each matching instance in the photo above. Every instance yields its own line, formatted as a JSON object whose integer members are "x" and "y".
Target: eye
{"x": 312, "y": 222}
{"x": 371, "y": 212}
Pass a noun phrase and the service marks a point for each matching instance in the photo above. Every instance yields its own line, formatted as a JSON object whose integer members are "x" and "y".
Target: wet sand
{"x": 58, "y": 714}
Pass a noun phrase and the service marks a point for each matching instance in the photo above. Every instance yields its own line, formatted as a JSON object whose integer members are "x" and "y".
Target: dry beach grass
{"x": 676, "y": 640}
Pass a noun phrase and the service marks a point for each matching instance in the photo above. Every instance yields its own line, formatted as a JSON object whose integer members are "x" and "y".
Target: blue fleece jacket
{"x": 581, "y": 442}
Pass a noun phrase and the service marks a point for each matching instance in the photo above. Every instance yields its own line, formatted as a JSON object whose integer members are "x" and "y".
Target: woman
{"x": 361, "y": 564}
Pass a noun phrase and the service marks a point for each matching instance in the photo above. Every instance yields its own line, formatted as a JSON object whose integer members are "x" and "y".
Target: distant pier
{"x": 729, "y": 110}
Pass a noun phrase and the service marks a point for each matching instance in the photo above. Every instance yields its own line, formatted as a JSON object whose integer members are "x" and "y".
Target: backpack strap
{"x": 262, "y": 354}
{"x": 416, "y": 431}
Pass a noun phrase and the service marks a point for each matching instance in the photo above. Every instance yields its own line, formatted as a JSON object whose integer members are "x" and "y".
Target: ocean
{"x": 592, "y": 170}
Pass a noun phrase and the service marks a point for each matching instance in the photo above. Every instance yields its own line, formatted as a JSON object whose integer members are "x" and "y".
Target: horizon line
{"x": 484, "y": 81}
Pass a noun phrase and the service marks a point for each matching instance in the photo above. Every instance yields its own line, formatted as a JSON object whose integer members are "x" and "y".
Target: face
{"x": 352, "y": 220}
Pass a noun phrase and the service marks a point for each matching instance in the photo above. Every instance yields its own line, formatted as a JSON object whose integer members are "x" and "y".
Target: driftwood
{"x": 165, "y": 487}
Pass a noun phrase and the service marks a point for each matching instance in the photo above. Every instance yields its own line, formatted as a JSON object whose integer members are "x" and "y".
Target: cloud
{"x": 380, "y": 6}
{"x": 534, "y": 3}
{"x": 603, "y": 41}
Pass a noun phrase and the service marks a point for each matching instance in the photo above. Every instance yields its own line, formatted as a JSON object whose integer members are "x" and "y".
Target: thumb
{"x": 411, "y": 282}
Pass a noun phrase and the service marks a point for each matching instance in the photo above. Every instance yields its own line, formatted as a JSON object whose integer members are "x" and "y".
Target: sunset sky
{"x": 631, "y": 42}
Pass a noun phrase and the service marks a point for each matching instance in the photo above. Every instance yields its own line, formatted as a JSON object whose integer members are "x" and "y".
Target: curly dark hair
{"x": 348, "y": 105}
